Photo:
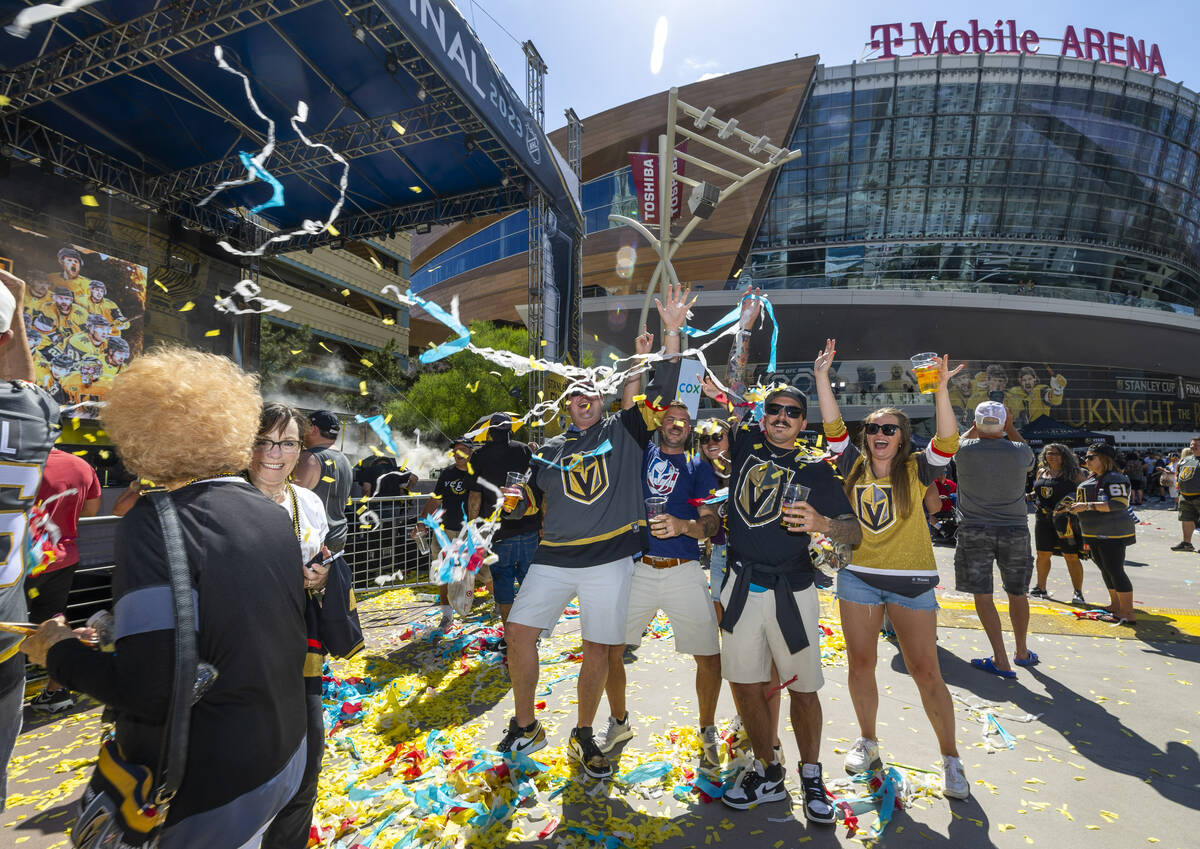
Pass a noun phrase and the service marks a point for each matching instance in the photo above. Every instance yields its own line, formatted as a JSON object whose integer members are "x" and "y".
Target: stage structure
{"x": 133, "y": 104}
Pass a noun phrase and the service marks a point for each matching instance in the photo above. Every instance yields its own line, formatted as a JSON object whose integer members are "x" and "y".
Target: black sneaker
{"x": 1078, "y": 598}
{"x": 522, "y": 741}
{"x": 817, "y": 806}
{"x": 1038, "y": 592}
{"x": 52, "y": 701}
{"x": 1183, "y": 546}
{"x": 755, "y": 785}
{"x": 583, "y": 748}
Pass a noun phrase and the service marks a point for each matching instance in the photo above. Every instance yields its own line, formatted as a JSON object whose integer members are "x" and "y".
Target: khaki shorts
{"x": 756, "y": 640}
{"x": 1189, "y": 509}
{"x": 682, "y": 593}
{"x": 603, "y": 593}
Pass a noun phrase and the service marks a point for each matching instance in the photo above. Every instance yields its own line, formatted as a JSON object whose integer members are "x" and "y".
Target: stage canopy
{"x": 1045, "y": 429}
{"x": 127, "y": 96}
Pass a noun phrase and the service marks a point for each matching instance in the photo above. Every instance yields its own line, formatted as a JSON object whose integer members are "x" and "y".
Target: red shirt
{"x": 66, "y": 471}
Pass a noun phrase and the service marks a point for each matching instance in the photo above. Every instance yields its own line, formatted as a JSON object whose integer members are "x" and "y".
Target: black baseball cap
{"x": 792, "y": 392}
{"x": 326, "y": 422}
{"x": 1102, "y": 448}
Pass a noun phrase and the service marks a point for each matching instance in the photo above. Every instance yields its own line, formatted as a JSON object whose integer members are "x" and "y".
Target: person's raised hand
{"x": 15, "y": 285}
{"x": 644, "y": 343}
{"x": 824, "y": 360}
{"x": 945, "y": 373}
{"x": 674, "y": 312}
{"x": 709, "y": 387}
{"x": 751, "y": 307}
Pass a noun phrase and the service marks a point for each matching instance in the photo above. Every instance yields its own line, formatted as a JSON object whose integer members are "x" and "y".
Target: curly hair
{"x": 175, "y": 414}
{"x": 1069, "y": 470}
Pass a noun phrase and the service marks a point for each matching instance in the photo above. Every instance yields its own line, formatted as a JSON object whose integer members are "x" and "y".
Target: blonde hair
{"x": 175, "y": 414}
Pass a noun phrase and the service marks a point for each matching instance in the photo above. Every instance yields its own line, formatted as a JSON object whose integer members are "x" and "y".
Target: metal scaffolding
{"x": 574, "y": 340}
{"x": 535, "y": 94}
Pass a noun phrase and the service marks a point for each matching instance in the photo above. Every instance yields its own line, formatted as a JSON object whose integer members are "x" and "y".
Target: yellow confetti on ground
{"x": 188, "y": 307}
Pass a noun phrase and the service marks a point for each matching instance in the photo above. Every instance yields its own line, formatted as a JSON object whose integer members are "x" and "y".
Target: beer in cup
{"x": 512, "y": 490}
{"x": 656, "y": 505}
{"x": 793, "y": 494}
{"x": 925, "y": 369}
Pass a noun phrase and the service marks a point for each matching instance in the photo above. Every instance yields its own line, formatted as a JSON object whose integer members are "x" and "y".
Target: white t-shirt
{"x": 314, "y": 523}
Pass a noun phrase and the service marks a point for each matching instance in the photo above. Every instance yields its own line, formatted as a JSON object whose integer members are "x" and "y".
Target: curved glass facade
{"x": 1036, "y": 175}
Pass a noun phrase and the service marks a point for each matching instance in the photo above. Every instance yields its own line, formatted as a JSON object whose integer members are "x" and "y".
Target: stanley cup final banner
{"x": 645, "y": 184}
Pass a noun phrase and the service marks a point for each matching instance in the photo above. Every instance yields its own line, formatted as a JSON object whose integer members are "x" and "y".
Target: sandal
{"x": 989, "y": 665}
{"x": 1116, "y": 620}
{"x": 1031, "y": 660}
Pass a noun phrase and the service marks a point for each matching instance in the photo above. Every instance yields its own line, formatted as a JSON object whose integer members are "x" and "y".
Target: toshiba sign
{"x": 1114, "y": 48}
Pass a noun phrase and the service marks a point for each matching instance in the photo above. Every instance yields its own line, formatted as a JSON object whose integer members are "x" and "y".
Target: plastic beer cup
{"x": 793, "y": 493}
{"x": 925, "y": 369}
{"x": 512, "y": 490}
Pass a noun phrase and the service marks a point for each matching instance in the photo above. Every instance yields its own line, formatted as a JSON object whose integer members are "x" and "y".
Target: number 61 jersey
{"x": 28, "y": 428}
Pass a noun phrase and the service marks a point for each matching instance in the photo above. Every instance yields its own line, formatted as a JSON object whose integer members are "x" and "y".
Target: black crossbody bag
{"x": 124, "y": 805}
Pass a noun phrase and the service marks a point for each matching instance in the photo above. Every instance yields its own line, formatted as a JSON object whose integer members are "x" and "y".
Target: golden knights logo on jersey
{"x": 875, "y": 507}
{"x": 587, "y": 479}
{"x": 1046, "y": 491}
{"x": 758, "y": 492}
{"x": 1186, "y": 471}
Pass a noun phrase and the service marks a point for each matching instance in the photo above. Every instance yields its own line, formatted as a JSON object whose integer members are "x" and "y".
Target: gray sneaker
{"x": 711, "y": 742}
{"x": 617, "y": 731}
{"x": 954, "y": 780}
{"x": 863, "y": 757}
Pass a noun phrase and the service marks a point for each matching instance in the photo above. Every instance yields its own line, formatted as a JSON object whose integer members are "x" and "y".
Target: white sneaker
{"x": 954, "y": 780}
{"x": 711, "y": 741}
{"x": 615, "y": 732}
{"x": 447, "y": 618}
{"x": 863, "y": 757}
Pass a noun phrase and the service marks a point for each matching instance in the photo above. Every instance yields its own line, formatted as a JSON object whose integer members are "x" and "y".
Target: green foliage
{"x": 441, "y": 397}
{"x": 276, "y": 360}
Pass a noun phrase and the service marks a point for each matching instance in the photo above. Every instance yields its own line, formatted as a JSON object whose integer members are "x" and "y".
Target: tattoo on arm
{"x": 845, "y": 529}
{"x": 739, "y": 357}
{"x": 709, "y": 524}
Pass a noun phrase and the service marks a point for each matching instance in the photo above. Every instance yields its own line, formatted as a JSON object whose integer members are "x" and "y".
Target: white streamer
{"x": 26, "y": 19}
{"x": 249, "y": 291}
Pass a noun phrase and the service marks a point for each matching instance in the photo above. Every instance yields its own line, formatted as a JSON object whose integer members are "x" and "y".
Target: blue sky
{"x": 599, "y": 53}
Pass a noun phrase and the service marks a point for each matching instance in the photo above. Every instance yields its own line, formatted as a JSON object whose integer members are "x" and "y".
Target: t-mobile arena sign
{"x": 1112, "y": 47}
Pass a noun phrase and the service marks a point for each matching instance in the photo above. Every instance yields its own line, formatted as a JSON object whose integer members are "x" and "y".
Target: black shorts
{"x": 47, "y": 593}
{"x": 1046, "y": 538}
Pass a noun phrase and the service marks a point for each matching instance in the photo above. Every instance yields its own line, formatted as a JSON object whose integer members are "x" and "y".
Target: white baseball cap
{"x": 991, "y": 413}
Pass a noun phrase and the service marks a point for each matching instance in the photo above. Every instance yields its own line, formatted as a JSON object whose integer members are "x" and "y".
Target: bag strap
{"x": 174, "y": 759}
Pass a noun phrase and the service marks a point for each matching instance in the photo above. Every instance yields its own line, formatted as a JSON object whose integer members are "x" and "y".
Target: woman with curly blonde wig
{"x": 187, "y": 421}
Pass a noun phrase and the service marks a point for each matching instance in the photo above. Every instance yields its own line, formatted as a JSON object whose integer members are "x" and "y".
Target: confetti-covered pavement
{"x": 1095, "y": 744}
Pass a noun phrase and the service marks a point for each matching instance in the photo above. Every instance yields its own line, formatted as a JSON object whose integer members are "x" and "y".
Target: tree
{"x": 281, "y": 350}
{"x": 452, "y": 394}
{"x": 385, "y": 378}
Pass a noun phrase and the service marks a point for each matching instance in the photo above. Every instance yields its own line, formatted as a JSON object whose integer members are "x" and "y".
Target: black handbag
{"x": 124, "y": 805}
{"x": 337, "y": 615}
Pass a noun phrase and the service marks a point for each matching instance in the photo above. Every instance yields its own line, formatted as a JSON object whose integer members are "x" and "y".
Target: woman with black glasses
{"x": 1102, "y": 504}
{"x": 712, "y": 435}
{"x": 893, "y": 567}
{"x": 1054, "y": 530}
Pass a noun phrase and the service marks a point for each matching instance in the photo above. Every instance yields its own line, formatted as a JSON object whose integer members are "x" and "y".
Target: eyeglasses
{"x": 1089, "y": 457}
{"x": 792, "y": 412}
{"x": 714, "y": 437}
{"x": 888, "y": 429}
{"x": 286, "y": 446}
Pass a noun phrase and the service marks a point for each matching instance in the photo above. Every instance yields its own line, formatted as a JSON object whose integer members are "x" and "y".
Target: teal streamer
{"x": 446, "y": 348}
{"x": 603, "y": 448}
{"x": 259, "y": 173}
{"x": 733, "y": 315}
{"x": 381, "y": 429}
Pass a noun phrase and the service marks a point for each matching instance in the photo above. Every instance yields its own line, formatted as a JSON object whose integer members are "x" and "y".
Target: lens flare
{"x": 660, "y": 45}
{"x": 626, "y": 260}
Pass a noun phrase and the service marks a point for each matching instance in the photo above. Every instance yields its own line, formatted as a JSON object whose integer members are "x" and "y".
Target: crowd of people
{"x": 724, "y": 525}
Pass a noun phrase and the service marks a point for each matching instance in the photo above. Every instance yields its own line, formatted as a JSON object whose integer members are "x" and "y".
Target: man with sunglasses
{"x": 769, "y": 598}
{"x": 993, "y": 461}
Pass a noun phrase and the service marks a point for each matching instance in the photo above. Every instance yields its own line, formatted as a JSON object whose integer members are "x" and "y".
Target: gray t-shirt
{"x": 991, "y": 482}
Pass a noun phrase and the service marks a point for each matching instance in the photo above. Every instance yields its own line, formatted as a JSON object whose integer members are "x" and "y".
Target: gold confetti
{"x": 398, "y": 127}
{"x": 366, "y": 362}
{"x": 1109, "y": 815}
{"x": 376, "y": 262}
{"x": 5, "y": 100}
{"x": 362, "y": 388}
{"x": 104, "y": 455}
{"x": 345, "y": 293}
{"x": 296, "y": 351}
{"x": 1006, "y": 826}
{"x": 89, "y": 200}
{"x": 161, "y": 286}
{"x": 213, "y": 333}
{"x": 326, "y": 347}
{"x": 333, "y": 231}
{"x": 388, "y": 320}
{"x": 188, "y": 307}
{"x": 328, "y": 479}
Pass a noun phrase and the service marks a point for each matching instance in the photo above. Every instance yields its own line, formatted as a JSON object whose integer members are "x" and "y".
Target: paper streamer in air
{"x": 730, "y": 319}
{"x": 256, "y": 169}
{"x": 382, "y": 430}
{"x": 28, "y": 18}
{"x": 255, "y": 305}
{"x": 601, "y": 449}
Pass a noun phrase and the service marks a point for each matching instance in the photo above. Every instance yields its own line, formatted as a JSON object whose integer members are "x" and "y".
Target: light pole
{"x": 706, "y": 195}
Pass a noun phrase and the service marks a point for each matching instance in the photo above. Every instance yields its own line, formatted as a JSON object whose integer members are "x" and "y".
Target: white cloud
{"x": 711, "y": 76}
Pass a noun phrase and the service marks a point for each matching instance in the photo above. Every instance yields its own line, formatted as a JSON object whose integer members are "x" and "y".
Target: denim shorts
{"x": 515, "y": 554}
{"x": 854, "y": 589}
{"x": 716, "y": 570}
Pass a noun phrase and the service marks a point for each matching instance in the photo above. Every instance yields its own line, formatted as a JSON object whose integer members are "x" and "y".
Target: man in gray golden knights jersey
{"x": 28, "y": 428}
{"x": 1187, "y": 479}
{"x": 327, "y": 472}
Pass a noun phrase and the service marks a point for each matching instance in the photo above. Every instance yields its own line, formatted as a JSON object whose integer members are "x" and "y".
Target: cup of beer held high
{"x": 793, "y": 494}
{"x": 925, "y": 370}
{"x": 512, "y": 490}
{"x": 656, "y": 505}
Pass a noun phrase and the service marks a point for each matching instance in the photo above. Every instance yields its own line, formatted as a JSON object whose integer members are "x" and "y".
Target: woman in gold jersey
{"x": 893, "y": 566}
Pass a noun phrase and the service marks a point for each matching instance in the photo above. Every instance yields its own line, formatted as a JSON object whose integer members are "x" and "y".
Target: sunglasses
{"x": 714, "y": 437}
{"x": 792, "y": 412}
{"x": 888, "y": 429}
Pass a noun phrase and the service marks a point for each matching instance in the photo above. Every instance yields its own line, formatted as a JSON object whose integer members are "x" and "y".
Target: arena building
{"x": 1036, "y": 215}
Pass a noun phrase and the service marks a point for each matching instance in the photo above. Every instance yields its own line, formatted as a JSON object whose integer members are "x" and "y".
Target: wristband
{"x": 670, "y": 333}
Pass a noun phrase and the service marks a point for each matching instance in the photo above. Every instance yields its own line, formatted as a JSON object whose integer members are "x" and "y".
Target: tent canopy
{"x": 127, "y": 96}
{"x": 1045, "y": 429}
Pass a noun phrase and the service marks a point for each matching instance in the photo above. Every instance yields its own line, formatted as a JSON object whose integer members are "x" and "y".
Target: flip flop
{"x": 1032, "y": 660}
{"x": 989, "y": 665}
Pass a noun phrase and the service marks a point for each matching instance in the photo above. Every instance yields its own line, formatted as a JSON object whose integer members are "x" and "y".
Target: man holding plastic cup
{"x": 770, "y": 601}
{"x": 669, "y": 577}
{"x": 589, "y": 482}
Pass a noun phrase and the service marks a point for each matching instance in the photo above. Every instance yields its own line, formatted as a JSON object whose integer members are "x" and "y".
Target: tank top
{"x": 333, "y": 488}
